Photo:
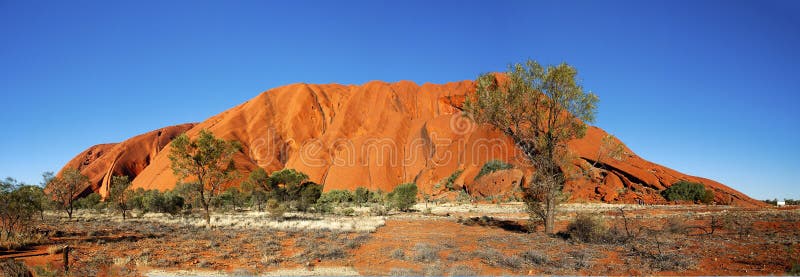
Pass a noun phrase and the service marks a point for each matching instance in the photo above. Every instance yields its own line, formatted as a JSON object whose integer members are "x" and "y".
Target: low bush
{"x": 494, "y": 258}
{"x": 348, "y": 211}
{"x": 275, "y": 209}
{"x": 156, "y": 201}
{"x": 336, "y": 197}
{"x": 91, "y": 201}
{"x": 398, "y": 254}
{"x": 688, "y": 191}
{"x": 402, "y": 272}
{"x": 588, "y": 228}
{"x": 492, "y": 166}
{"x": 423, "y": 252}
{"x": 676, "y": 225}
{"x": 462, "y": 270}
{"x": 534, "y": 257}
{"x": 434, "y": 269}
{"x": 403, "y": 197}
{"x": 794, "y": 270}
{"x": 449, "y": 183}
{"x": 12, "y": 267}
{"x": 363, "y": 196}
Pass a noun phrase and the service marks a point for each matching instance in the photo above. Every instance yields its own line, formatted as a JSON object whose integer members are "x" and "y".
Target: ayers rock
{"x": 379, "y": 135}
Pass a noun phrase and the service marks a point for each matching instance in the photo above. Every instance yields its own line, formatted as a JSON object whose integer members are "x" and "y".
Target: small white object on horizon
{"x": 781, "y": 203}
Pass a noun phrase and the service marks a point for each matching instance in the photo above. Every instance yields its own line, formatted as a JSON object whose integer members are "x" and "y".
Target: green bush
{"x": 364, "y": 196}
{"x": 275, "y": 209}
{"x": 309, "y": 195}
{"x": 348, "y": 211}
{"x": 689, "y": 191}
{"x": 337, "y": 197}
{"x": 91, "y": 201}
{"x": 492, "y": 166}
{"x": 403, "y": 197}
{"x": 450, "y": 181}
{"x": 156, "y": 201}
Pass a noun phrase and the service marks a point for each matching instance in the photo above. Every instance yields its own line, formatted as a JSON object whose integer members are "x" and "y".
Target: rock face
{"x": 131, "y": 157}
{"x": 379, "y": 135}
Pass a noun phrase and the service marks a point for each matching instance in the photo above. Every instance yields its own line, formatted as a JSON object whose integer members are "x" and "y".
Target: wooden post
{"x": 66, "y": 258}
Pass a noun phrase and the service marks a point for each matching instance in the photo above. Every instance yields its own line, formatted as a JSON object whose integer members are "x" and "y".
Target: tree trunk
{"x": 123, "y": 215}
{"x": 549, "y": 222}
{"x": 208, "y": 216}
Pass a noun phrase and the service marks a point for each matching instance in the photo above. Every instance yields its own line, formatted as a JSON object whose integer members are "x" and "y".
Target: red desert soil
{"x": 379, "y": 135}
{"x": 756, "y": 242}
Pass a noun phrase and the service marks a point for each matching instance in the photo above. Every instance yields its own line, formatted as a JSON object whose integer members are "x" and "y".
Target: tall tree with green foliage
{"x": 257, "y": 187}
{"x": 65, "y": 188}
{"x": 540, "y": 108}
{"x": 206, "y": 161}
{"x": 119, "y": 194}
{"x": 287, "y": 183}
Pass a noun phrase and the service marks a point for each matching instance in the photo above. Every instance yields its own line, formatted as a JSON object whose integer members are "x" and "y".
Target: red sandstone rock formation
{"x": 379, "y": 135}
{"x": 130, "y": 157}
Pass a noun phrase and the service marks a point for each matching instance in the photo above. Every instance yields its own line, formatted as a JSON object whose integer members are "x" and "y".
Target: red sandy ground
{"x": 769, "y": 248}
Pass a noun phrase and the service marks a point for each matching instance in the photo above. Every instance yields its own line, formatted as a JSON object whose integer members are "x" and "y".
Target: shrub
{"x": 275, "y": 209}
{"x": 362, "y": 196}
{"x": 462, "y": 270}
{"x": 492, "y": 166}
{"x": 450, "y": 181}
{"x": 676, "y": 225}
{"x": 423, "y": 252}
{"x": 795, "y": 270}
{"x": 377, "y": 210}
{"x": 433, "y": 270}
{"x": 91, "y": 201}
{"x": 494, "y": 258}
{"x": 18, "y": 206}
{"x": 534, "y": 257}
{"x": 587, "y": 228}
{"x": 398, "y": 254}
{"x": 403, "y": 197}
{"x": 156, "y": 201}
{"x": 309, "y": 195}
{"x": 348, "y": 211}
{"x": 337, "y": 197}
{"x": 689, "y": 191}
{"x": 12, "y": 267}
{"x": 402, "y": 272}
{"x": 233, "y": 197}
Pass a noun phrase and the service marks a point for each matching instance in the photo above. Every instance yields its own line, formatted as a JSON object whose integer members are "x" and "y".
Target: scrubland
{"x": 437, "y": 239}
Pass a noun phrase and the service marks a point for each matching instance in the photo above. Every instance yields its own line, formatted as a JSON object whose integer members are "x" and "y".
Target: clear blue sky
{"x": 707, "y": 88}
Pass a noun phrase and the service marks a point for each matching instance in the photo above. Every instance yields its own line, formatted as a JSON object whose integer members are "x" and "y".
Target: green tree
{"x": 362, "y": 196}
{"x": 119, "y": 194}
{"x": 286, "y": 183}
{"x": 257, "y": 187}
{"x": 540, "y": 108}
{"x": 207, "y": 161}
{"x": 65, "y": 188}
{"x": 232, "y": 196}
{"x": 403, "y": 197}
{"x": 17, "y": 207}
{"x": 36, "y": 198}
{"x": 310, "y": 193}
